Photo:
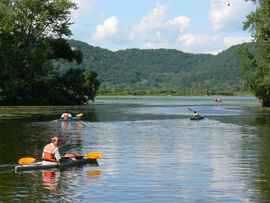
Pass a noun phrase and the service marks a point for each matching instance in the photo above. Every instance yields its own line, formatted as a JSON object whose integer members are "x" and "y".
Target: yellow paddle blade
{"x": 80, "y": 114}
{"x": 26, "y": 160}
{"x": 94, "y": 155}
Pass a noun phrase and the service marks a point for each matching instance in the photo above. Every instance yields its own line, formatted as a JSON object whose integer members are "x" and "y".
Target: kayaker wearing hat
{"x": 66, "y": 115}
{"x": 51, "y": 151}
{"x": 195, "y": 114}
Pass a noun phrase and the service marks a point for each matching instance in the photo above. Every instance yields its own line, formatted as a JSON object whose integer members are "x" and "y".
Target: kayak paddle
{"x": 94, "y": 155}
{"x": 26, "y": 160}
{"x": 91, "y": 155}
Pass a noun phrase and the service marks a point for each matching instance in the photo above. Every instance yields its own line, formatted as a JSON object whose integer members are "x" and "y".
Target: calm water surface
{"x": 151, "y": 151}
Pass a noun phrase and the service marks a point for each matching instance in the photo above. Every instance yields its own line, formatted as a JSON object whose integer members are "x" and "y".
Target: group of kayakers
{"x": 217, "y": 100}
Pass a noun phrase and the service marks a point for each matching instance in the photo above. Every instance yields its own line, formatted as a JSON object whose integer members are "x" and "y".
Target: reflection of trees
{"x": 255, "y": 152}
{"x": 21, "y": 139}
{"x": 91, "y": 116}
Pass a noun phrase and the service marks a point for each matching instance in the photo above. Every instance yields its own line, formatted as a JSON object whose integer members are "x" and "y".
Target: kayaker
{"x": 219, "y": 99}
{"x": 215, "y": 99}
{"x": 51, "y": 151}
{"x": 195, "y": 114}
{"x": 66, "y": 115}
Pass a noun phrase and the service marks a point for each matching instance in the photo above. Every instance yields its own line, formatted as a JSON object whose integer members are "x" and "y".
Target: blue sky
{"x": 191, "y": 26}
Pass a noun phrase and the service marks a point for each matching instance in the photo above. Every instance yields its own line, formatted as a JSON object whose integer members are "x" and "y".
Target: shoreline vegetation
{"x": 169, "y": 97}
{"x": 168, "y": 92}
{"x": 126, "y": 94}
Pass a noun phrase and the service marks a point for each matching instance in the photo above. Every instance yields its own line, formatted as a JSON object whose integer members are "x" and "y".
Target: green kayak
{"x": 69, "y": 119}
{"x": 197, "y": 117}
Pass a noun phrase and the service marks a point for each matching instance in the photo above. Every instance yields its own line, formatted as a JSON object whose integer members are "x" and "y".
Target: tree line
{"x": 31, "y": 38}
{"x": 159, "y": 69}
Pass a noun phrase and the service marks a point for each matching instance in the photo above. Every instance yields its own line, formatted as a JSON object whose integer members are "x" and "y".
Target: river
{"x": 151, "y": 151}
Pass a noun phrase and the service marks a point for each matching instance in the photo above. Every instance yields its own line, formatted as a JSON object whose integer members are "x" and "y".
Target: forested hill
{"x": 158, "y": 69}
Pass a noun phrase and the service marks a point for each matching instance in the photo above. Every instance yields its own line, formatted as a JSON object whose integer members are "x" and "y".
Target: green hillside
{"x": 161, "y": 69}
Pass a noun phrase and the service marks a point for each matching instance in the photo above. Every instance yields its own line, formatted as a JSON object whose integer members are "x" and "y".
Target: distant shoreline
{"x": 184, "y": 98}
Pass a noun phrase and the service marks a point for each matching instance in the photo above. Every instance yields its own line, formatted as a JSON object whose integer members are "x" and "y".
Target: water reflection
{"x": 72, "y": 133}
{"x": 59, "y": 183}
{"x": 51, "y": 179}
{"x": 152, "y": 152}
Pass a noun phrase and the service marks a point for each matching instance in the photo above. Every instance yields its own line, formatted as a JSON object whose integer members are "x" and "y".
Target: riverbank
{"x": 183, "y": 98}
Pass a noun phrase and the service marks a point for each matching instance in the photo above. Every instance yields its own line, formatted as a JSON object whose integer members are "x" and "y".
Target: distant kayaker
{"x": 66, "y": 115}
{"x": 219, "y": 99}
{"x": 215, "y": 99}
{"x": 195, "y": 114}
{"x": 51, "y": 151}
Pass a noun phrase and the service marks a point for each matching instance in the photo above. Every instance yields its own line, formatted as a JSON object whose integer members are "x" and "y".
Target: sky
{"x": 191, "y": 26}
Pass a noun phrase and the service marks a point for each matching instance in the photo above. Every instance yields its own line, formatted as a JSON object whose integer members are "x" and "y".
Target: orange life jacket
{"x": 65, "y": 115}
{"x": 195, "y": 114}
{"x": 48, "y": 152}
{"x": 219, "y": 99}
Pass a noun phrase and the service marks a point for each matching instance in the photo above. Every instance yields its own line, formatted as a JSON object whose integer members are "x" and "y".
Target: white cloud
{"x": 109, "y": 31}
{"x": 154, "y": 22}
{"x": 157, "y": 28}
{"x": 181, "y": 23}
{"x": 229, "y": 15}
{"x": 215, "y": 52}
{"x": 149, "y": 45}
{"x": 201, "y": 43}
{"x": 230, "y": 41}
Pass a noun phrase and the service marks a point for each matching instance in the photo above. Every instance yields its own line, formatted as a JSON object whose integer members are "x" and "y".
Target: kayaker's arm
{"x": 57, "y": 155}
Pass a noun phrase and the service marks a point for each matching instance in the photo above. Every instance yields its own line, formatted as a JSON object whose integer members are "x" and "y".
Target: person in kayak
{"x": 51, "y": 151}
{"x": 195, "y": 114}
{"x": 66, "y": 115}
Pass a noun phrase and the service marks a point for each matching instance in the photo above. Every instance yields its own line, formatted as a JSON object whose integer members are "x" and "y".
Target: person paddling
{"x": 51, "y": 151}
{"x": 195, "y": 114}
{"x": 66, "y": 115}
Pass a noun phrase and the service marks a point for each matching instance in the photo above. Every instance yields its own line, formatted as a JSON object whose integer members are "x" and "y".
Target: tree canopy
{"x": 31, "y": 38}
{"x": 256, "y": 67}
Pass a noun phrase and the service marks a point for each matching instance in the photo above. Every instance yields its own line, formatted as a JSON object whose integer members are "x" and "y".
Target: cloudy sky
{"x": 193, "y": 26}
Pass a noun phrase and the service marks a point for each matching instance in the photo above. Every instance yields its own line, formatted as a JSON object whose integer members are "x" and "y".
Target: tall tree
{"x": 31, "y": 34}
{"x": 82, "y": 85}
{"x": 256, "y": 67}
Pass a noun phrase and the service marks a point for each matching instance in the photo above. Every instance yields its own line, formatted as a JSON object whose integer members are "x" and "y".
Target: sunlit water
{"x": 151, "y": 152}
